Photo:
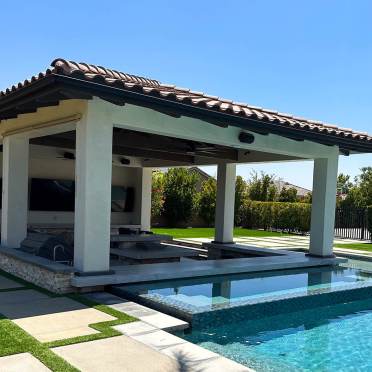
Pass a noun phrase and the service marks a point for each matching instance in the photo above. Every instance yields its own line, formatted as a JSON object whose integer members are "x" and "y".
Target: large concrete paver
{"x": 47, "y": 318}
{"x": 150, "y": 316}
{"x": 6, "y": 283}
{"x": 24, "y": 362}
{"x": 116, "y": 354}
{"x": 189, "y": 357}
{"x": 20, "y": 297}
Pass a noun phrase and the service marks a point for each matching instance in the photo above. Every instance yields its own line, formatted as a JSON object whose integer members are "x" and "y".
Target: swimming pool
{"x": 196, "y": 299}
{"x": 331, "y": 338}
{"x": 316, "y": 319}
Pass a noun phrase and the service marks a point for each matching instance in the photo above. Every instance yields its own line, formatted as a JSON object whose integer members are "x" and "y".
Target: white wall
{"x": 45, "y": 163}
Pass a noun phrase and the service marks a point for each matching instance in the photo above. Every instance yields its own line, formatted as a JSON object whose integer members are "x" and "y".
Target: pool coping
{"x": 155, "y": 334}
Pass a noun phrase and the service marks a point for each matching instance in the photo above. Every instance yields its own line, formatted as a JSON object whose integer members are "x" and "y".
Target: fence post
{"x": 364, "y": 223}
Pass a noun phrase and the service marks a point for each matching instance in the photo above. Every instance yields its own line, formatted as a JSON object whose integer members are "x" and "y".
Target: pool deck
{"x": 194, "y": 268}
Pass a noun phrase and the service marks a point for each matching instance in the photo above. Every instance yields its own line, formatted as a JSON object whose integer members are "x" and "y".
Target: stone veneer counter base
{"x": 49, "y": 275}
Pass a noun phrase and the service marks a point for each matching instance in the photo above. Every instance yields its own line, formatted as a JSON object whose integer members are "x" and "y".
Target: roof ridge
{"x": 64, "y": 66}
{"x": 124, "y": 81}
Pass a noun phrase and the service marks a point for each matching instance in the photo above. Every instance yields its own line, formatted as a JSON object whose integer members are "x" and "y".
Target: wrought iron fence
{"x": 352, "y": 224}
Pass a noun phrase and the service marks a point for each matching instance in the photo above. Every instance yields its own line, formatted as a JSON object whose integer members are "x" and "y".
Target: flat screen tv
{"x": 52, "y": 195}
{"x": 59, "y": 195}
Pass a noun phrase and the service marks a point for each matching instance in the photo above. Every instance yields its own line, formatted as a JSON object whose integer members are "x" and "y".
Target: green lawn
{"x": 208, "y": 232}
{"x": 357, "y": 246}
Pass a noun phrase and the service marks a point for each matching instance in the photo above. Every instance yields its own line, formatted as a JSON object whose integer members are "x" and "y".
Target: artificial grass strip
{"x": 104, "y": 328}
{"x": 14, "y": 340}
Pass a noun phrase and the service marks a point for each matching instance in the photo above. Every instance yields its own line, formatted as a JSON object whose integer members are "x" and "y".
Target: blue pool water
{"x": 332, "y": 338}
{"x": 200, "y": 295}
{"x": 317, "y": 319}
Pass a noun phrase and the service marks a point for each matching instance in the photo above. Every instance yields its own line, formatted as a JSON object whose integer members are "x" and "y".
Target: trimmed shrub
{"x": 180, "y": 197}
{"x": 291, "y": 217}
{"x": 207, "y": 201}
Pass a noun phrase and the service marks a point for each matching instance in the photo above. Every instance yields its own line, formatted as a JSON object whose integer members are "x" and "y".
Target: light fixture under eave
{"x": 246, "y": 137}
{"x": 67, "y": 156}
{"x": 124, "y": 161}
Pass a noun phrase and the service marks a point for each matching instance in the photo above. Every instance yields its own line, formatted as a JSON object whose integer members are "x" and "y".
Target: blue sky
{"x": 312, "y": 59}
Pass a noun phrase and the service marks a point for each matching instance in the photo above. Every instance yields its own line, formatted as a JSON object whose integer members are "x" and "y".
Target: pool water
{"x": 313, "y": 319}
{"x": 207, "y": 294}
{"x": 331, "y": 338}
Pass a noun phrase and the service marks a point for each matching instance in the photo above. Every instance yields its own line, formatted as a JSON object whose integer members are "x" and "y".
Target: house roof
{"x": 82, "y": 80}
{"x": 301, "y": 191}
{"x": 203, "y": 174}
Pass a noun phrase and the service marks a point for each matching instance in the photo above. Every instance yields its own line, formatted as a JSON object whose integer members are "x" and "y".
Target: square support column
{"x": 15, "y": 190}
{"x": 323, "y": 206}
{"x": 144, "y": 188}
{"x": 225, "y": 202}
{"x": 93, "y": 175}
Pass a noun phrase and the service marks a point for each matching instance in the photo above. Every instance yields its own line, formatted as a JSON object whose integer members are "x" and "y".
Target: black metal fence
{"x": 352, "y": 224}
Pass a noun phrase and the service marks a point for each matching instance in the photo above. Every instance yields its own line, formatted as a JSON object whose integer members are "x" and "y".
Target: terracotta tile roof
{"x": 102, "y": 75}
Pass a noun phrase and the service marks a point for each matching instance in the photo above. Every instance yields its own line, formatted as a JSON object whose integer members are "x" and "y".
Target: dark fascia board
{"x": 176, "y": 109}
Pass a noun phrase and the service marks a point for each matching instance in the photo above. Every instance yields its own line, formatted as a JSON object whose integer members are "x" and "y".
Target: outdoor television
{"x": 59, "y": 195}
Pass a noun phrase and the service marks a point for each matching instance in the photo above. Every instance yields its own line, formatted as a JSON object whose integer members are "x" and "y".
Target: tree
{"x": 179, "y": 195}
{"x": 308, "y": 198}
{"x": 288, "y": 195}
{"x": 360, "y": 194}
{"x": 240, "y": 198}
{"x": 157, "y": 193}
{"x": 207, "y": 201}
{"x": 364, "y": 181}
{"x": 262, "y": 188}
{"x": 343, "y": 184}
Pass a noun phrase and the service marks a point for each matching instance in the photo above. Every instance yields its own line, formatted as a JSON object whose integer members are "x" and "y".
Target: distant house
{"x": 203, "y": 176}
{"x": 301, "y": 191}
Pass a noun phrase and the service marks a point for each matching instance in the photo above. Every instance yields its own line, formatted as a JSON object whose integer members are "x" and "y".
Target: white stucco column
{"x": 224, "y": 222}
{"x": 323, "y": 206}
{"x": 143, "y": 192}
{"x": 93, "y": 192}
{"x": 15, "y": 190}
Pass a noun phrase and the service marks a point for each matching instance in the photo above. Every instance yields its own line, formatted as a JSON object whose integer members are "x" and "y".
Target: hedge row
{"x": 292, "y": 217}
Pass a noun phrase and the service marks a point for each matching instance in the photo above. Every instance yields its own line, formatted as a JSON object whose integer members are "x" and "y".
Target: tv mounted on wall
{"x": 59, "y": 196}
